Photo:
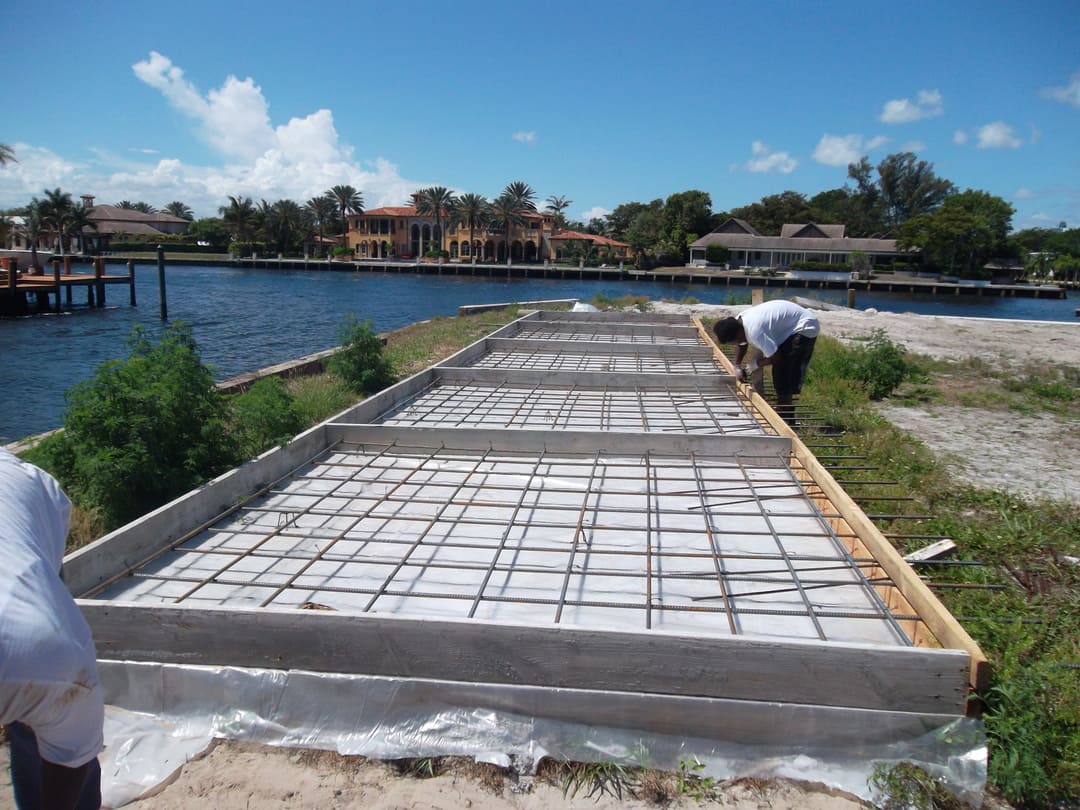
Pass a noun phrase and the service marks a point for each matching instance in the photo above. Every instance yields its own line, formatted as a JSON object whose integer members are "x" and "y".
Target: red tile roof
{"x": 592, "y": 237}
{"x": 392, "y": 211}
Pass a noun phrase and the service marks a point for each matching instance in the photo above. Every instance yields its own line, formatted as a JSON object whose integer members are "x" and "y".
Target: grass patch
{"x": 607, "y": 303}
{"x": 1029, "y": 627}
{"x": 1051, "y": 388}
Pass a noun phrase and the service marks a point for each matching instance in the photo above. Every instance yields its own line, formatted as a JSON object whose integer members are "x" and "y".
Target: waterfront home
{"x": 807, "y": 242}
{"x": 401, "y": 232}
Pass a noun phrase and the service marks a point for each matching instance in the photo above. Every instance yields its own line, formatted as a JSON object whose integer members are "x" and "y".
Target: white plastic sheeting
{"x": 170, "y": 713}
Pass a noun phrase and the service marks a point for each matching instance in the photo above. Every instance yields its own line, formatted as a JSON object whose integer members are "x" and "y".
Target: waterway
{"x": 247, "y": 319}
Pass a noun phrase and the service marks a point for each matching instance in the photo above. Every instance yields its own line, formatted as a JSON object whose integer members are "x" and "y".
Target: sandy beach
{"x": 1033, "y": 456}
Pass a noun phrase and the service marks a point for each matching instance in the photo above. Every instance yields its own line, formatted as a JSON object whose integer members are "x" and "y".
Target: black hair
{"x": 728, "y": 330}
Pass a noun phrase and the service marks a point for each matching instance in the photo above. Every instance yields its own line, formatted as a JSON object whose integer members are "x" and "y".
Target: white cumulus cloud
{"x": 960, "y": 137}
{"x": 927, "y": 104}
{"x": 596, "y": 212}
{"x": 1068, "y": 94}
{"x": 524, "y": 136}
{"x": 997, "y": 135}
{"x": 842, "y": 150}
{"x": 297, "y": 160}
{"x": 765, "y": 160}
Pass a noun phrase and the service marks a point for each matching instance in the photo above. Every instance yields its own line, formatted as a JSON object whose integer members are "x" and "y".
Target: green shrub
{"x": 143, "y": 430}
{"x": 716, "y": 254}
{"x": 879, "y": 366}
{"x": 361, "y": 362}
{"x": 264, "y": 415}
{"x": 241, "y": 248}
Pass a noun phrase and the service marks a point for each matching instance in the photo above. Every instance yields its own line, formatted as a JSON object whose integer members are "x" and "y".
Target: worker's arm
{"x": 740, "y": 352}
{"x": 60, "y": 785}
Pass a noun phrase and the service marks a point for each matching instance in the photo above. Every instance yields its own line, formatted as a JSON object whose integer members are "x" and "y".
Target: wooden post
{"x": 99, "y": 271}
{"x": 161, "y": 283}
{"x": 131, "y": 279}
{"x": 12, "y": 265}
{"x": 851, "y": 298}
{"x": 56, "y": 278}
{"x": 757, "y": 297}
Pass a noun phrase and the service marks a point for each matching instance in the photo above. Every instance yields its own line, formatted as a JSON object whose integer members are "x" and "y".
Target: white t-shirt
{"x": 770, "y": 324}
{"x": 48, "y": 666}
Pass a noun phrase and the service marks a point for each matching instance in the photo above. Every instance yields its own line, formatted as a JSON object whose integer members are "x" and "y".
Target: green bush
{"x": 142, "y": 430}
{"x": 361, "y": 362}
{"x": 716, "y": 254}
{"x": 879, "y": 366}
{"x": 264, "y": 415}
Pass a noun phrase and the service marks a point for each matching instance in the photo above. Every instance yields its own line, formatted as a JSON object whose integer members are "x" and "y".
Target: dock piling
{"x": 131, "y": 279}
{"x": 161, "y": 283}
{"x": 56, "y": 278}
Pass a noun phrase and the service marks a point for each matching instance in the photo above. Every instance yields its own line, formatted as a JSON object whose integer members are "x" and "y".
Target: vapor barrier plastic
{"x": 162, "y": 715}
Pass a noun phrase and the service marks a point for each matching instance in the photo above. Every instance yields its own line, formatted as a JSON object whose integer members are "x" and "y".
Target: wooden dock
{"x": 24, "y": 293}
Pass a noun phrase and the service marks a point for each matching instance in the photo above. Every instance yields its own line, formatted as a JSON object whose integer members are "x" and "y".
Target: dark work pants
{"x": 26, "y": 772}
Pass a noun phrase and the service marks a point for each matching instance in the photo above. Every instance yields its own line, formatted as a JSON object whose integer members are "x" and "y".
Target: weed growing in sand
{"x": 908, "y": 787}
{"x": 692, "y": 781}
{"x": 597, "y": 779}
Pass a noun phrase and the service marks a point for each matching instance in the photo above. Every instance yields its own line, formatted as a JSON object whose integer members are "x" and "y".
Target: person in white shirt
{"x": 50, "y": 700}
{"x": 784, "y": 333}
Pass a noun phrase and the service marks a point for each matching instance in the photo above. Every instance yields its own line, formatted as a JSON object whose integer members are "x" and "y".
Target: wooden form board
{"x": 901, "y": 679}
{"x": 144, "y": 687}
{"x": 908, "y": 593}
{"x": 762, "y": 451}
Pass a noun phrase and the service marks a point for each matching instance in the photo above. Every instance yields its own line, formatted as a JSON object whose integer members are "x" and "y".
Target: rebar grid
{"x": 624, "y": 361}
{"x": 551, "y": 406}
{"x": 604, "y": 539}
{"x": 598, "y": 333}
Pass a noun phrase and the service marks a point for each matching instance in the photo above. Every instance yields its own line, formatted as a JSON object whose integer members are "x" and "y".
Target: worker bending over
{"x": 784, "y": 333}
{"x": 50, "y": 700}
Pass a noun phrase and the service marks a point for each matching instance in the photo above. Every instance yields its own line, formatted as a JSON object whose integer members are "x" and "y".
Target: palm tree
{"x": 508, "y": 212}
{"x": 435, "y": 201}
{"x": 522, "y": 194}
{"x": 127, "y": 205}
{"x": 55, "y": 209}
{"x": 285, "y": 223}
{"x": 557, "y": 205}
{"x": 471, "y": 211}
{"x": 7, "y": 154}
{"x": 32, "y": 228}
{"x": 179, "y": 209}
{"x": 238, "y": 216}
{"x": 321, "y": 209}
{"x": 76, "y": 222}
{"x": 348, "y": 200}
{"x": 144, "y": 207}
{"x": 261, "y": 222}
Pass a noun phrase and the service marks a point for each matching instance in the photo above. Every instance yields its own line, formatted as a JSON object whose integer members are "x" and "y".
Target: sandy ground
{"x": 1023, "y": 455}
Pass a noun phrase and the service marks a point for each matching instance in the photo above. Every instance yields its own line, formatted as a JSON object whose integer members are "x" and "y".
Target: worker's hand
{"x": 752, "y": 366}
{"x": 740, "y": 374}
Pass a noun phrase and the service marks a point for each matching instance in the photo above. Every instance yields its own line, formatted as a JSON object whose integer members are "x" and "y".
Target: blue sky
{"x": 600, "y": 102}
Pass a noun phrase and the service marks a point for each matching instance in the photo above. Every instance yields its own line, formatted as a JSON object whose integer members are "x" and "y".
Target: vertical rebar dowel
{"x": 161, "y": 283}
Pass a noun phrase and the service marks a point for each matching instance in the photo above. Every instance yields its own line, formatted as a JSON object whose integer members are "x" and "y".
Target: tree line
{"x": 901, "y": 198}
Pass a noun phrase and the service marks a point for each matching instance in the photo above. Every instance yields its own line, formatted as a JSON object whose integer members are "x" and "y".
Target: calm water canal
{"x": 248, "y": 319}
